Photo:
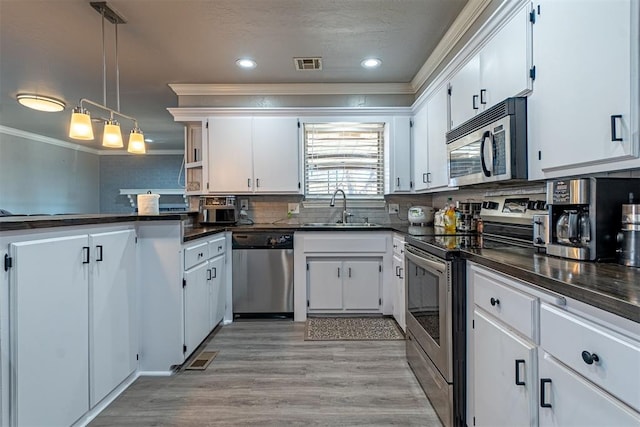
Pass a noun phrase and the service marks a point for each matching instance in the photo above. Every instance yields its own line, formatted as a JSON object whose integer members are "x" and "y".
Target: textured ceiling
{"x": 54, "y": 47}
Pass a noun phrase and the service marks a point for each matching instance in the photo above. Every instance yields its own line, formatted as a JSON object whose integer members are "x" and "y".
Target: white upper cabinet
{"x": 429, "y": 142}
{"x": 437, "y": 117}
{"x": 465, "y": 92}
{"x": 580, "y": 114}
{"x": 420, "y": 149}
{"x": 276, "y": 154}
{"x": 253, "y": 154}
{"x": 501, "y": 69}
{"x": 230, "y": 157}
{"x": 400, "y": 162}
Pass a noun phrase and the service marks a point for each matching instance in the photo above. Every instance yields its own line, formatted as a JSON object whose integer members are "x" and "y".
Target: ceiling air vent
{"x": 304, "y": 64}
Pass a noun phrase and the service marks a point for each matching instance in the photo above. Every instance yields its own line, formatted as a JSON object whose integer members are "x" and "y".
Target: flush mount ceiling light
{"x": 80, "y": 126}
{"x": 371, "y": 63}
{"x": 40, "y": 103}
{"x": 246, "y": 63}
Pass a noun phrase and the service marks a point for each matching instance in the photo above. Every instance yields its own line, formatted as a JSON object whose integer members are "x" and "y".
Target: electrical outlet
{"x": 244, "y": 204}
{"x": 394, "y": 208}
{"x": 293, "y": 208}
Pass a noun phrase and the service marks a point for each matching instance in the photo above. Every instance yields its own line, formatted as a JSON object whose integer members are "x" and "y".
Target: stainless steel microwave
{"x": 218, "y": 210}
{"x": 491, "y": 146}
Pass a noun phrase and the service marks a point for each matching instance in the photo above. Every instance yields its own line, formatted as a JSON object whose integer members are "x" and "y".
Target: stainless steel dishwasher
{"x": 262, "y": 274}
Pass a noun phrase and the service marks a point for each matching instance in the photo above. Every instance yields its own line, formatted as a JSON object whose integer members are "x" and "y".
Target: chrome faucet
{"x": 332, "y": 203}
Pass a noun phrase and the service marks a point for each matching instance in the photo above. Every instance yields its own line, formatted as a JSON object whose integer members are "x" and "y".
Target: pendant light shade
{"x": 136, "y": 142}
{"x": 80, "y": 126}
{"x": 112, "y": 137}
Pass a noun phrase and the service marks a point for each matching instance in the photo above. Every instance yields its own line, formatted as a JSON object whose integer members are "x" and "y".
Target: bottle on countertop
{"x": 450, "y": 218}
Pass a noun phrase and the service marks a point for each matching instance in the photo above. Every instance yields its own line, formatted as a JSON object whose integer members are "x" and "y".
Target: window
{"x": 348, "y": 156}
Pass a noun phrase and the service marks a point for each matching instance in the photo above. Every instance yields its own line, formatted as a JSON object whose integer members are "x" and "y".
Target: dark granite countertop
{"x": 29, "y": 222}
{"x": 608, "y": 286}
{"x": 611, "y": 287}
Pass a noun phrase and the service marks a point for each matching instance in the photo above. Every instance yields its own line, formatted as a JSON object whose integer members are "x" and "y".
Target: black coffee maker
{"x": 584, "y": 216}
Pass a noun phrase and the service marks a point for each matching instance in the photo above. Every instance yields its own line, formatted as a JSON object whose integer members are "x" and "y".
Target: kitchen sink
{"x": 340, "y": 225}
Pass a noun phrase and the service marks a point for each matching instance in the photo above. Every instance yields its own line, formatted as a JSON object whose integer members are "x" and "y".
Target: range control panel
{"x": 513, "y": 209}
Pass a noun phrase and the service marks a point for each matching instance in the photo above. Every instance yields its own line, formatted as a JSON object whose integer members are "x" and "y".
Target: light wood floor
{"x": 266, "y": 374}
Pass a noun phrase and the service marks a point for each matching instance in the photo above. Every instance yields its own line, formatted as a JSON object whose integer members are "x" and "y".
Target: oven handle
{"x": 417, "y": 258}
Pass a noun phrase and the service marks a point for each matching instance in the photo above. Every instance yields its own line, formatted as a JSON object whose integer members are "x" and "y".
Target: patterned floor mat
{"x": 352, "y": 328}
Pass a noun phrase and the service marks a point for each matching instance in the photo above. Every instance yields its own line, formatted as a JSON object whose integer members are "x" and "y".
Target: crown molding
{"x": 197, "y": 114}
{"x": 184, "y": 89}
{"x": 77, "y": 147}
{"x": 46, "y": 139}
{"x": 469, "y": 14}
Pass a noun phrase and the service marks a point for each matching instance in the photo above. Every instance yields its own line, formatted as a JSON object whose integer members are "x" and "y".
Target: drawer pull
{"x": 589, "y": 358}
{"x": 543, "y": 397}
{"x": 494, "y": 301}
{"x": 518, "y": 381}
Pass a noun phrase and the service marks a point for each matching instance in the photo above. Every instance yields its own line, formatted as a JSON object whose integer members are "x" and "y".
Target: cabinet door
{"x": 437, "y": 120}
{"x": 505, "y": 61}
{"x": 49, "y": 332}
{"x": 325, "y": 285}
{"x": 217, "y": 295}
{"x": 420, "y": 149}
{"x": 113, "y": 338}
{"x": 582, "y": 83}
{"x": 400, "y": 173}
{"x": 399, "y": 303}
{"x": 504, "y": 384}
{"x": 361, "y": 285}
{"x": 573, "y": 401}
{"x": 276, "y": 159}
{"x": 230, "y": 158}
{"x": 465, "y": 92}
{"x": 197, "y": 314}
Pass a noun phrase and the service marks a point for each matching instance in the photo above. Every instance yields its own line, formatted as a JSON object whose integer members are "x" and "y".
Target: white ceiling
{"x": 54, "y": 47}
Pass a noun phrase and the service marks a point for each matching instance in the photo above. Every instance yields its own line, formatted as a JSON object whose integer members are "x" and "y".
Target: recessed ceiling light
{"x": 148, "y": 140}
{"x": 246, "y": 63}
{"x": 371, "y": 63}
{"x": 40, "y": 103}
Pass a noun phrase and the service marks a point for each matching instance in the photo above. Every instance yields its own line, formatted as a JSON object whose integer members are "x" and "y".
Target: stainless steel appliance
{"x": 262, "y": 282}
{"x": 541, "y": 230}
{"x": 490, "y": 147}
{"x": 218, "y": 210}
{"x": 435, "y": 289}
{"x": 629, "y": 236}
{"x": 435, "y": 284}
{"x": 584, "y": 216}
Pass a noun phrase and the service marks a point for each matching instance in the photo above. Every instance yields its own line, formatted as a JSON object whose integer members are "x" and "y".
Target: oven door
{"x": 429, "y": 309}
{"x": 484, "y": 155}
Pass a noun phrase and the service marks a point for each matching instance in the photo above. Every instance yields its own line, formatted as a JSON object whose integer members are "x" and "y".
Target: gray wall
{"x": 36, "y": 177}
{"x": 145, "y": 172}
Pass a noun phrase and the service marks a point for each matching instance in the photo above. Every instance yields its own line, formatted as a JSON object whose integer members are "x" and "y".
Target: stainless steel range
{"x": 435, "y": 284}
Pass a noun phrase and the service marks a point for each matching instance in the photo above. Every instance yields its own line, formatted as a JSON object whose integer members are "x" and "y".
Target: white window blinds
{"x": 344, "y": 155}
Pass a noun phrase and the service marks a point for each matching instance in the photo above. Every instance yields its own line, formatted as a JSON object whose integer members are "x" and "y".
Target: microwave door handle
{"x": 486, "y": 171}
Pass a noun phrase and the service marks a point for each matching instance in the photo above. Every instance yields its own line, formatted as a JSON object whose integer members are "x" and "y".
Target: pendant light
{"x": 80, "y": 126}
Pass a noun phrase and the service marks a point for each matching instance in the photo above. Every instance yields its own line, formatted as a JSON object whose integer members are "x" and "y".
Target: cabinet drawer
{"x": 515, "y": 308}
{"x": 398, "y": 246}
{"x": 195, "y": 254}
{"x": 217, "y": 246}
{"x": 567, "y": 336}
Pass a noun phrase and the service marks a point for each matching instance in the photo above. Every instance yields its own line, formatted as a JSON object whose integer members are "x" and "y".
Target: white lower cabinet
{"x": 568, "y": 399}
{"x": 49, "y": 332}
{"x": 344, "y": 285}
{"x": 196, "y": 306}
{"x": 536, "y": 359}
{"x": 72, "y": 331}
{"x": 504, "y": 366}
{"x": 217, "y": 291}
{"x": 399, "y": 297}
{"x": 114, "y": 340}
